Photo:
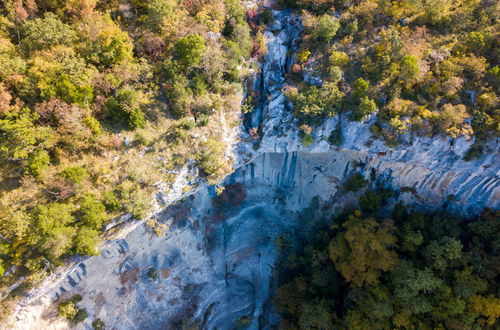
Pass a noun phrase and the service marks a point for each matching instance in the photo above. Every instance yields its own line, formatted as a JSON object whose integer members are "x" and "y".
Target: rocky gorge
{"x": 215, "y": 269}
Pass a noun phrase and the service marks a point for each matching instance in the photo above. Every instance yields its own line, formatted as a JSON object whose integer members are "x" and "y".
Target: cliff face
{"x": 217, "y": 269}
{"x": 433, "y": 167}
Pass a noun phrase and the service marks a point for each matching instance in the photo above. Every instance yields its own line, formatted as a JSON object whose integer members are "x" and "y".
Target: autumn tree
{"x": 363, "y": 250}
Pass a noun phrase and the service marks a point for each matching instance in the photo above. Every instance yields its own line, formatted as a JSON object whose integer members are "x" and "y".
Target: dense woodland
{"x": 366, "y": 269}
{"x": 99, "y": 101}
{"x": 427, "y": 67}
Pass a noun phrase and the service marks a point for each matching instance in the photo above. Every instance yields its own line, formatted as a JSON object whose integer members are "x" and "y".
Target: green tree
{"x": 412, "y": 285}
{"x": 439, "y": 253}
{"x": 323, "y": 28}
{"x": 366, "y": 107}
{"x": 38, "y": 161}
{"x": 363, "y": 250}
{"x": 86, "y": 242}
{"x": 106, "y": 44}
{"x": 53, "y": 233}
{"x": 355, "y": 182}
{"x": 158, "y": 11}
{"x": 360, "y": 88}
{"x": 92, "y": 212}
{"x": 409, "y": 67}
{"x": 125, "y": 107}
{"x": 111, "y": 201}
{"x": 19, "y": 136}
{"x": 370, "y": 201}
{"x": 189, "y": 51}
{"x": 46, "y": 32}
{"x": 75, "y": 174}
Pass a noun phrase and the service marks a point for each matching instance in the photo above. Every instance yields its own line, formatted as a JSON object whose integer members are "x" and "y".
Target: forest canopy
{"x": 425, "y": 67}
{"x": 100, "y": 101}
{"x": 363, "y": 270}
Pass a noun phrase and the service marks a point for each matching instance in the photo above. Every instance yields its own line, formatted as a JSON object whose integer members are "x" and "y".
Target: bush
{"x": 93, "y": 124}
{"x": 360, "y": 88}
{"x": 137, "y": 202}
{"x": 370, "y": 201}
{"x": 67, "y": 310}
{"x": 336, "y": 137}
{"x": 75, "y": 174}
{"x": 37, "y": 161}
{"x": 474, "y": 152}
{"x": 366, "y": 107}
{"x": 409, "y": 68}
{"x": 189, "y": 51}
{"x": 312, "y": 103}
{"x": 152, "y": 274}
{"x": 307, "y": 140}
{"x": 86, "y": 242}
{"x": 92, "y": 211}
{"x": 43, "y": 33}
{"x": 354, "y": 183}
{"x": 266, "y": 16}
{"x": 303, "y": 55}
{"x": 339, "y": 59}
{"x": 323, "y": 28}
{"x": 80, "y": 316}
{"x": 211, "y": 159}
{"x": 111, "y": 201}
{"x": 98, "y": 324}
{"x": 335, "y": 73}
{"x": 125, "y": 107}
{"x": 70, "y": 311}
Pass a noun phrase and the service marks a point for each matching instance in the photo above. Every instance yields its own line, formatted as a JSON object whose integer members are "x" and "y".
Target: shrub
{"x": 86, "y": 242}
{"x": 70, "y": 311}
{"x": 360, "y": 88}
{"x": 211, "y": 159}
{"x": 266, "y": 16}
{"x": 152, "y": 274}
{"x": 474, "y": 152}
{"x": 202, "y": 120}
{"x": 339, "y": 59}
{"x": 303, "y": 55}
{"x": 98, "y": 324}
{"x": 335, "y": 73}
{"x": 137, "y": 202}
{"x": 126, "y": 107}
{"x": 323, "y": 28}
{"x": 189, "y": 51}
{"x": 75, "y": 174}
{"x": 93, "y": 124}
{"x": 354, "y": 183}
{"x": 53, "y": 234}
{"x": 370, "y": 201}
{"x": 67, "y": 310}
{"x": 336, "y": 137}
{"x": 111, "y": 201}
{"x": 409, "y": 68}
{"x": 366, "y": 107}
{"x": 65, "y": 88}
{"x": 37, "y": 162}
{"x": 107, "y": 44}
{"x": 92, "y": 211}
{"x": 80, "y": 316}
{"x": 43, "y": 33}
{"x": 312, "y": 102}
{"x": 307, "y": 140}
{"x": 351, "y": 28}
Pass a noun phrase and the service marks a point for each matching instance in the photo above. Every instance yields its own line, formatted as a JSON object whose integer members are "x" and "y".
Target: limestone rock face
{"x": 214, "y": 266}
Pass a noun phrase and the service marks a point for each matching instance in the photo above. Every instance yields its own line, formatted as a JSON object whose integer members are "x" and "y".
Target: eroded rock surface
{"x": 214, "y": 267}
